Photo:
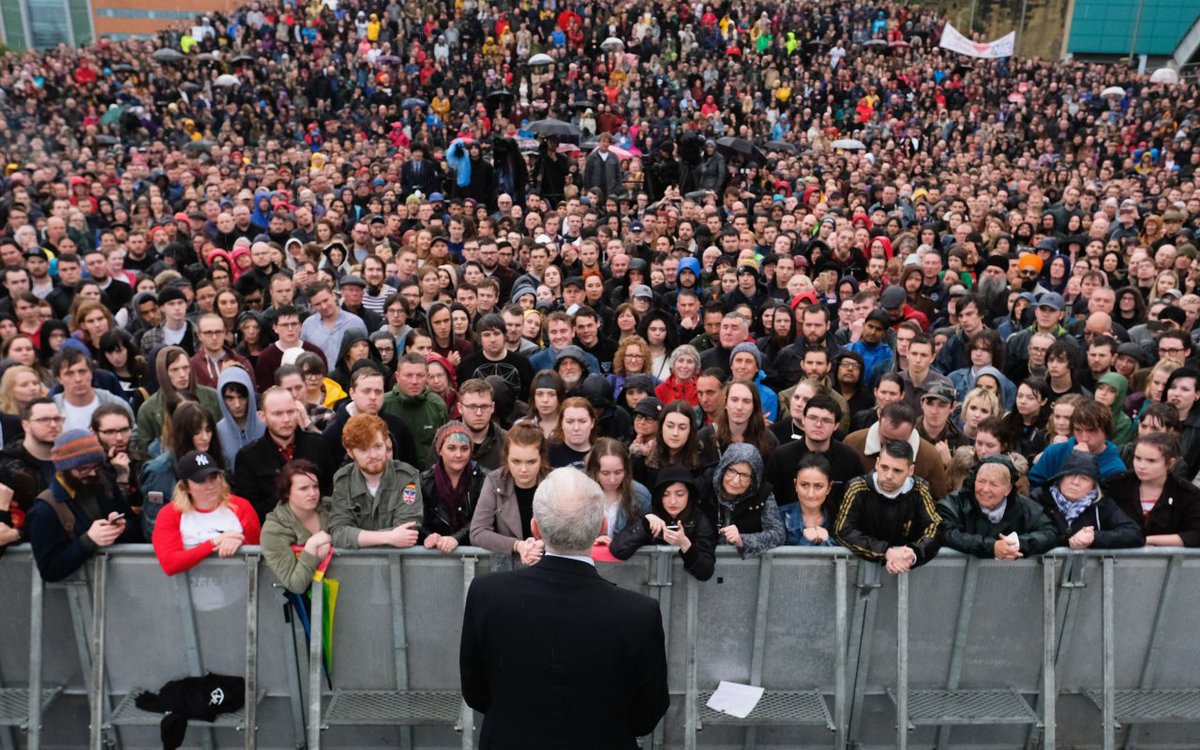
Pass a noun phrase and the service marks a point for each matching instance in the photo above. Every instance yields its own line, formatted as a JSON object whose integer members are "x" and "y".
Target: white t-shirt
{"x": 79, "y": 417}
{"x": 173, "y": 338}
{"x": 198, "y": 527}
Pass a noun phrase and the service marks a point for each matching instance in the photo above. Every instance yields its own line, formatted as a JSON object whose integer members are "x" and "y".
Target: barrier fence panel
{"x": 961, "y": 653}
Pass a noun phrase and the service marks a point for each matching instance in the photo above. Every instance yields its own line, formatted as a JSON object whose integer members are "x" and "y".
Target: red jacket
{"x": 207, "y": 374}
{"x": 672, "y": 390}
{"x": 168, "y": 539}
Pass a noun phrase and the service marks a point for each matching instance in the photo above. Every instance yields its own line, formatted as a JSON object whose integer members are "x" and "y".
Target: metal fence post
{"x": 1049, "y": 622}
{"x": 36, "y": 604}
{"x": 316, "y": 618}
{"x": 467, "y": 722}
{"x": 840, "y": 642}
{"x": 691, "y": 713}
{"x": 761, "y": 611}
{"x": 96, "y": 690}
{"x": 962, "y": 627}
{"x": 399, "y": 637}
{"x": 1106, "y": 608}
{"x": 251, "y": 711}
{"x": 660, "y": 589}
{"x": 902, "y": 660}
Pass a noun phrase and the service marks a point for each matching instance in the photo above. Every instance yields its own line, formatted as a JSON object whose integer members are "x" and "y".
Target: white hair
{"x": 569, "y": 508}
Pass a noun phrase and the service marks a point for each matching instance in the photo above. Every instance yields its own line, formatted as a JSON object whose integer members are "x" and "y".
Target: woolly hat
{"x": 76, "y": 448}
{"x": 748, "y": 347}
{"x": 448, "y": 431}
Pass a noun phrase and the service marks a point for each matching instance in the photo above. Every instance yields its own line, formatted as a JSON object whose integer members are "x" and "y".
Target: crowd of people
{"x": 336, "y": 275}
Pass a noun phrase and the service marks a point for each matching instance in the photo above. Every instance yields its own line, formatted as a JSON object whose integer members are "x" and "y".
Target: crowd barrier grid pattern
{"x": 962, "y": 652}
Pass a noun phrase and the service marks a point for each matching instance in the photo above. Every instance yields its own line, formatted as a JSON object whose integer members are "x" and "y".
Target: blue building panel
{"x": 1108, "y": 27}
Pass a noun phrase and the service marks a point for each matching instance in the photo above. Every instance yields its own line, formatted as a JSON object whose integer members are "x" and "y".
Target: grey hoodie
{"x": 233, "y": 437}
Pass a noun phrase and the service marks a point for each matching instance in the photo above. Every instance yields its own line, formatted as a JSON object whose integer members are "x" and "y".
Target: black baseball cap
{"x": 196, "y": 466}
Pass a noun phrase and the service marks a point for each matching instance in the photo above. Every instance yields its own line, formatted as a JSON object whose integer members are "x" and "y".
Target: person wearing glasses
{"x": 114, "y": 427}
{"x": 214, "y": 354}
{"x": 287, "y": 332}
{"x": 739, "y": 502}
{"x": 1174, "y": 345}
{"x": 25, "y": 462}
{"x": 80, "y": 511}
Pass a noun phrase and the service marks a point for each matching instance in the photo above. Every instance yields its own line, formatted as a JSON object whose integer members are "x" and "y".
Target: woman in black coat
{"x": 1086, "y": 518}
{"x": 1166, "y": 506}
{"x": 676, "y": 519}
{"x": 450, "y": 489}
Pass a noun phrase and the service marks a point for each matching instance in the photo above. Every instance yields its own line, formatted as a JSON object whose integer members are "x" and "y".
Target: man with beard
{"x": 815, "y": 332}
{"x": 376, "y": 500}
{"x": 80, "y": 512}
{"x": 571, "y": 365}
{"x": 25, "y": 466}
{"x": 992, "y": 287}
{"x": 489, "y": 258}
{"x": 955, "y": 353}
{"x": 259, "y": 462}
{"x": 113, "y": 426}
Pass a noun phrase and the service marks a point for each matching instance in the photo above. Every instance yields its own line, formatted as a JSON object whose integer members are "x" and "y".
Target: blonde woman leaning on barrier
{"x": 299, "y": 520}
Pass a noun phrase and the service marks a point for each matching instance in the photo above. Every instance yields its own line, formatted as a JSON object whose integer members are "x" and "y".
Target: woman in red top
{"x": 203, "y": 516}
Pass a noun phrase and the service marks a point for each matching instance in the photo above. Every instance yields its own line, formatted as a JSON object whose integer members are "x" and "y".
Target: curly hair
{"x": 360, "y": 431}
{"x": 618, "y": 361}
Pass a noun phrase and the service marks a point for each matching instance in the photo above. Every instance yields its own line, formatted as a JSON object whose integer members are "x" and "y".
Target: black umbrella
{"x": 495, "y": 98}
{"x": 201, "y": 146}
{"x": 412, "y": 101}
{"x": 582, "y": 104}
{"x": 557, "y": 128}
{"x": 107, "y": 140}
{"x": 189, "y": 86}
{"x": 783, "y": 146}
{"x": 123, "y": 68}
{"x": 741, "y": 147}
{"x": 243, "y": 59}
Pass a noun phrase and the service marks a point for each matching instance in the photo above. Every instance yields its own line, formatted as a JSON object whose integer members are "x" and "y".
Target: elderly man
{"x": 589, "y": 657}
{"x": 989, "y": 518}
{"x": 376, "y": 498}
{"x": 888, "y": 516}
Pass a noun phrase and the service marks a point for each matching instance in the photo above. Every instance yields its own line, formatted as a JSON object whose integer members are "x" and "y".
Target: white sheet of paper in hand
{"x": 1013, "y": 539}
{"x": 735, "y": 699}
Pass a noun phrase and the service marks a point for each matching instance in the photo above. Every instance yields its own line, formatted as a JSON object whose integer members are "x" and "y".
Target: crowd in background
{"x": 343, "y": 275}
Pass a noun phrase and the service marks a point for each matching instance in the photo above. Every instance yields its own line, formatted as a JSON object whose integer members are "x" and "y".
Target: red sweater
{"x": 168, "y": 534}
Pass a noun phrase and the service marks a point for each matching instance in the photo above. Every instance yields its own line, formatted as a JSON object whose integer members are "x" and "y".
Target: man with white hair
{"x": 554, "y": 655}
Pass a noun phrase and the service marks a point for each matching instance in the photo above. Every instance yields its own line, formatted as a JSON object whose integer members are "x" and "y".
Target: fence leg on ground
{"x": 98, "y": 688}
{"x": 191, "y": 641}
{"x": 1109, "y": 718}
{"x": 251, "y": 716}
{"x": 862, "y": 627}
{"x": 840, "y": 625}
{"x": 660, "y": 589}
{"x": 902, "y": 661}
{"x": 467, "y": 722}
{"x": 1049, "y": 695}
{"x": 1070, "y": 581}
{"x": 1153, "y": 655}
{"x": 316, "y": 628}
{"x": 691, "y": 711}
{"x": 399, "y": 638}
{"x": 760, "y": 636}
{"x": 961, "y": 629}
{"x": 36, "y": 595}
{"x": 291, "y": 660}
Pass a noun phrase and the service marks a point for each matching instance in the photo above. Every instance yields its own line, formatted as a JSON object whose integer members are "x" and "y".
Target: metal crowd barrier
{"x": 1072, "y": 649}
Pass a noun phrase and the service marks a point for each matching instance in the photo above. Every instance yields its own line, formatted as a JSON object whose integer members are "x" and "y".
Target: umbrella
{"x": 540, "y": 60}
{"x": 107, "y": 140}
{"x": 875, "y": 43}
{"x": 190, "y": 86}
{"x": 412, "y": 101}
{"x": 849, "y": 144}
{"x": 783, "y": 146}
{"x": 388, "y": 60}
{"x": 582, "y": 104}
{"x": 201, "y": 146}
{"x": 1016, "y": 97}
{"x": 621, "y": 153}
{"x": 226, "y": 80}
{"x": 566, "y": 17}
{"x": 494, "y": 98}
{"x": 1116, "y": 91}
{"x": 557, "y": 128}
{"x": 568, "y": 148}
{"x": 123, "y": 68}
{"x": 112, "y": 115}
{"x": 740, "y": 147}
{"x": 1165, "y": 75}
{"x": 166, "y": 54}
{"x": 612, "y": 44}
{"x": 243, "y": 59}
{"x": 899, "y": 43}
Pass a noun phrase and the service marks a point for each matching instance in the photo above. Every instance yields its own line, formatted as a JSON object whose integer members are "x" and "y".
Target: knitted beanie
{"x": 446, "y": 431}
{"x": 76, "y": 448}
{"x": 749, "y": 348}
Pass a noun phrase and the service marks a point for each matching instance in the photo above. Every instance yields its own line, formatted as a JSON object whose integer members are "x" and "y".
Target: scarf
{"x": 450, "y": 497}
{"x": 1069, "y": 509}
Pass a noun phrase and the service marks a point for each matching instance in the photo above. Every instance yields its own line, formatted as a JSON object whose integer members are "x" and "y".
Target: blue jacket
{"x": 1055, "y": 455}
{"x": 544, "y": 360}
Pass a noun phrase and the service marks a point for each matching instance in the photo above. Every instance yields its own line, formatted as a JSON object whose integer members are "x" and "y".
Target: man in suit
{"x": 555, "y": 656}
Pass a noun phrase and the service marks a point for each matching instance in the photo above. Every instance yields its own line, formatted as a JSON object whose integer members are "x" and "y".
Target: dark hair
{"x": 290, "y": 470}
{"x": 897, "y": 449}
{"x": 1167, "y": 442}
{"x": 1062, "y": 350}
{"x": 991, "y": 340}
{"x": 815, "y": 461}
{"x": 756, "y": 433}
{"x": 491, "y": 322}
{"x": 67, "y": 357}
{"x": 898, "y": 413}
{"x": 891, "y": 377}
{"x": 1164, "y": 413}
{"x": 286, "y": 311}
{"x": 285, "y": 370}
{"x": 1093, "y": 415}
{"x": 1104, "y": 340}
{"x": 28, "y": 409}
{"x": 689, "y": 455}
{"x": 826, "y": 403}
{"x": 186, "y": 420}
{"x": 109, "y": 410}
{"x": 997, "y": 427}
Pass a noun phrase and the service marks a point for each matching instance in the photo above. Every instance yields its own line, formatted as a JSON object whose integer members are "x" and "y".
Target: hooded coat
{"x": 234, "y": 436}
{"x": 966, "y": 527}
{"x": 753, "y": 512}
{"x": 341, "y": 370}
{"x": 1114, "y": 529}
{"x": 700, "y": 559}
{"x": 1123, "y": 429}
